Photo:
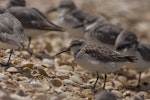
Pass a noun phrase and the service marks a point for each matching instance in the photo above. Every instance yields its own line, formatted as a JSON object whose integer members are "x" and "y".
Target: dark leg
{"x": 139, "y": 80}
{"x": 8, "y": 62}
{"x": 97, "y": 77}
{"x": 105, "y": 78}
{"x": 29, "y": 42}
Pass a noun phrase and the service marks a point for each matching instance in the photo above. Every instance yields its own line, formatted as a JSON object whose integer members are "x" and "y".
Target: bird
{"x": 127, "y": 43}
{"x": 98, "y": 30}
{"x": 11, "y": 32}
{"x": 105, "y": 95}
{"x": 34, "y": 21}
{"x": 70, "y": 15}
{"x": 96, "y": 58}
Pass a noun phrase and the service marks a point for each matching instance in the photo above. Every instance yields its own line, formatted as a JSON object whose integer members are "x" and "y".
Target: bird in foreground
{"x": 100, "y": 31}
{"x": 128, "y": 44}
{"x": 105, "y": 95}
{"x": 69, "y": 16}
{"x": 96, "y": 58}
{"x": 11, "y": 32}
{"x": 34, "y": 21}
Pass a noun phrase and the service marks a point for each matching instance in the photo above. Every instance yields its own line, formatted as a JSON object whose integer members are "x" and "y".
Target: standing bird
{"x": 99, "y": 31}
{"x": 11, "y": 32}
{"x": 34, "y": 22}
{"x": 128, "y": 44}
{"x": 96, "y": 58}
{"x": 69, "y": 16}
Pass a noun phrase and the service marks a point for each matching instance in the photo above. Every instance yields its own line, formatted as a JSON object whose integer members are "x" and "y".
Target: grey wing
{"x": 144, "y": 50}
{"x": 71, "y": 20}
{"x": 79, "y": 14}
{"x": 32, "y": 18}
{"x": 28, "y": 17}
{"x": 102, "y": 54}
{"x": 11, "y": 30}
{"x": 107, "y": 33}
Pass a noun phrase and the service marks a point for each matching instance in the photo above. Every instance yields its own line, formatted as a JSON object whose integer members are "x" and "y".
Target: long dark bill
{"x": 51, "y": 10}
{"x": 79, "y": 25}
{"x": 65, "y": 50}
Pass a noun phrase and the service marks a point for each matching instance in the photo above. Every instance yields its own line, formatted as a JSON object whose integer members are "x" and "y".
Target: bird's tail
{"x": 131, "y": 58}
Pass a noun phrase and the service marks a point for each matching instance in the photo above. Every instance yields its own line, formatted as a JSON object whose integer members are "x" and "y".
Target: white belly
{"x": 33, "y": 32}
{"x": 140, "y": 64}
{"x": 98, "y": 67}
{"x": 7, "y": 46}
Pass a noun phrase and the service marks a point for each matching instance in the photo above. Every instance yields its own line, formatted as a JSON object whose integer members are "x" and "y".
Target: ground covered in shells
{"x": 41, "y": 77}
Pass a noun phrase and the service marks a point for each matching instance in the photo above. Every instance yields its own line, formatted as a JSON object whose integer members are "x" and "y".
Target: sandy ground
{"x": 32, "y": 78}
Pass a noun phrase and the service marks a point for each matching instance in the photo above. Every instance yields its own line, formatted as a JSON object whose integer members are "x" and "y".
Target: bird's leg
{"x": 97, "y": 77}
{"x": 105, "y": 78}
{"x": 139, "y": 80}
{"x": 8, "y": 62}
{"x": 29, "y": 38}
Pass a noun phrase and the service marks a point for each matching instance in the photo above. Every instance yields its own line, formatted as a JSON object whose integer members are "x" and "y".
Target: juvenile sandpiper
{"x": 96, "y": 58}
{"x": 100, "y": 31}
{"x": 11, "y": 32}
{"x": 128, "y": 44}
{"x": 69, "y": 16}
{"x": 34, "y": 21}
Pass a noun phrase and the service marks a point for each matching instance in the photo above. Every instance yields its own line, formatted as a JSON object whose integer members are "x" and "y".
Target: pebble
{"x": 26, "y": 54}
{"x": 76, "y": 79}
{"x": 3, "y": 76}
{"x": 67, "y": 81}
{"x": 109, "y": 85}
{"x": 27, "y": 64}
{"x": 138, "y": 97}
{"x": 65, "y": 67}
{"x": 18, "y": 97}
{"x": 127, "y": 93}
{"x": 117, "y": 83}
{"x": 12, "y": 69}
{"x": 122, "y": 79}
{"x": 49, "y": 63}
{"x": 117, "y": 93}
{"x": 56, "y": 82}
{"x": 62, "y": 74}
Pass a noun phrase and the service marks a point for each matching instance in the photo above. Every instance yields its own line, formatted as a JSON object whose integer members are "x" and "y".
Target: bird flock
{"x": 97, "y": 45}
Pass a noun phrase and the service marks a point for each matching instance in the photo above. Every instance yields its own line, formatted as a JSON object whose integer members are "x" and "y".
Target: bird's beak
{"x": 79, "y": 25}
{"x": 51, "y": 10}
{"x": 65, "y": 50}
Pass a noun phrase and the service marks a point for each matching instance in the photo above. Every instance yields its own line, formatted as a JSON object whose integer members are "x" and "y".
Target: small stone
{"x": 67, "y": 81}
{"x": 117, "y": 93}
{"x": 117, "y": 83}
{"x": 17, "y": 97}
{"x": 109, "y": 85}
{"x": 26, "y": 54}
{"x": 127, "y": 93}
{"x": 76, "y": 79}
{"x": 56, "y": 82}
{"x": 49, "y": 63}
{"x": 12, "y": 69}
{"x": 62, "y": 74}
{"x": 3, "y": 76}
{"x": 138, "y": 97}
{"x": 65, "y": 67}
{"x": 122, "y": 79}
{"x": 27, "y": 64}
